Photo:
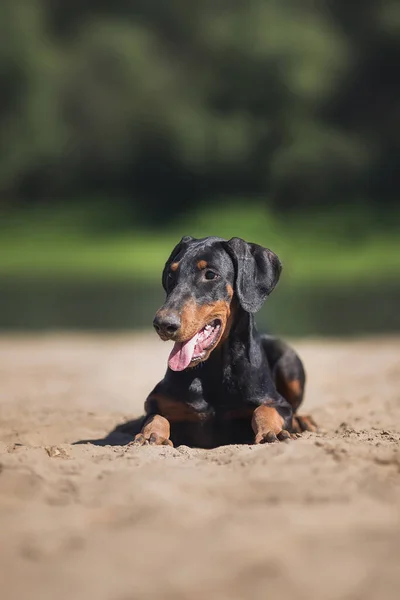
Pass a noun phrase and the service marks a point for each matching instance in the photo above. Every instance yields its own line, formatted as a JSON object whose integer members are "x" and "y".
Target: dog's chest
{"x": 214, "y": 417}
{"x": 216, "y": 399}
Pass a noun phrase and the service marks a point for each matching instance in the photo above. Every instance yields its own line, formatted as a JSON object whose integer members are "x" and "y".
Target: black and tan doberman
{"x": 225, "y": 383}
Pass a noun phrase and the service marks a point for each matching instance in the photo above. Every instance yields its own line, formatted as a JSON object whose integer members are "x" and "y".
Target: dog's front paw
{"x": 269, "y": 437}
{"x": 155, "y": 432}
{"x": 154, "y": 439}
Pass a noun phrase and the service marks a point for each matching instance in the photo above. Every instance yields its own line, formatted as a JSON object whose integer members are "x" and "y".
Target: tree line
{"x": 168, "y": 104}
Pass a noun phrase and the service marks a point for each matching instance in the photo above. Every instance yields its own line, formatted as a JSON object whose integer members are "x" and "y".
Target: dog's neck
{"x": 242, "y": 345}
{"x": 239, "y": 364}
{"x": 244, "y": 329}
{"x": 243, "y": 342}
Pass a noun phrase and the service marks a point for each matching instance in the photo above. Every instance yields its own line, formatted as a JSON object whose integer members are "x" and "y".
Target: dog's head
{"x": 204, "y": 280}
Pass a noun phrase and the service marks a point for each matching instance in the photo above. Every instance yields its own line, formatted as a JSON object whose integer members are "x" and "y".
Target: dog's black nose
{"x": 166, "y": 324}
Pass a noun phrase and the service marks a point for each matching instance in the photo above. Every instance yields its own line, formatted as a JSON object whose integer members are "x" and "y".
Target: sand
{"x": 314, "y": 518}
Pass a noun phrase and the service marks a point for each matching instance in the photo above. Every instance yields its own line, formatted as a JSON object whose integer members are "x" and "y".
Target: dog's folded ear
{"x": 185, "y": 241}
{"x": 257, "y": 272}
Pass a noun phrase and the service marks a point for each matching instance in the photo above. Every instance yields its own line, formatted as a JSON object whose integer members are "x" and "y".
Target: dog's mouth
{"x": 196, "y": 348}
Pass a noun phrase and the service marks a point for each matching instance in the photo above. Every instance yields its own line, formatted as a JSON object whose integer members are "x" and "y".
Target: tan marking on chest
{"x": 176, "y": 411}
{"x": 242, "y": 413}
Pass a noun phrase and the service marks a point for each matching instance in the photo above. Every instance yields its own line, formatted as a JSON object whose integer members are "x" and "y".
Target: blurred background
{"x": 127, "y": 124}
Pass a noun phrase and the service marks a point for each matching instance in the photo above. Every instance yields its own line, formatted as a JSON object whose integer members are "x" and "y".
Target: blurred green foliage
{"x": 74, "y": 243}
{"x": 168, "y": 104}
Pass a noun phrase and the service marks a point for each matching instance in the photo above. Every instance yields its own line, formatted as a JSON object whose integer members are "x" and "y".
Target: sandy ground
{"x": 314, "y": 518}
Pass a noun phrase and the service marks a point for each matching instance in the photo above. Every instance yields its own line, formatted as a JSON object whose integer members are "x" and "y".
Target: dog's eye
{"x": 210, "y": 275}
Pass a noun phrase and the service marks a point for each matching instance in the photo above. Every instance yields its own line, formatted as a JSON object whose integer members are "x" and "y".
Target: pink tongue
{"x": 182, "y": 354}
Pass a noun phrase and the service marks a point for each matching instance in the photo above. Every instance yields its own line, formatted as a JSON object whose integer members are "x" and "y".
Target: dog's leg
{"x": 289, "y": 377}
{"x": 156, "y": 432}
{"x": 267, "y": 425}
{"x": 290, "y": 383}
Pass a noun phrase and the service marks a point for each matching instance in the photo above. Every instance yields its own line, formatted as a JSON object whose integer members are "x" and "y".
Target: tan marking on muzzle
{"x": 195, "y": 316}
{"x": 229, "y": 289}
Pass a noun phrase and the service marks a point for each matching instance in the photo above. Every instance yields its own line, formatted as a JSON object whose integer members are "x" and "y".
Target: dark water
{"x": 291, "y": 310}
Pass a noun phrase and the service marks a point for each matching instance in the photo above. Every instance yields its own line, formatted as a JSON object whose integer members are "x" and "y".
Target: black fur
{"x": 247, "y": 369}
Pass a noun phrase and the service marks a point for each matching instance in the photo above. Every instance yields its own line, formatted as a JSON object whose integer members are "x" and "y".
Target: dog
{"x": 225, "y": 383}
